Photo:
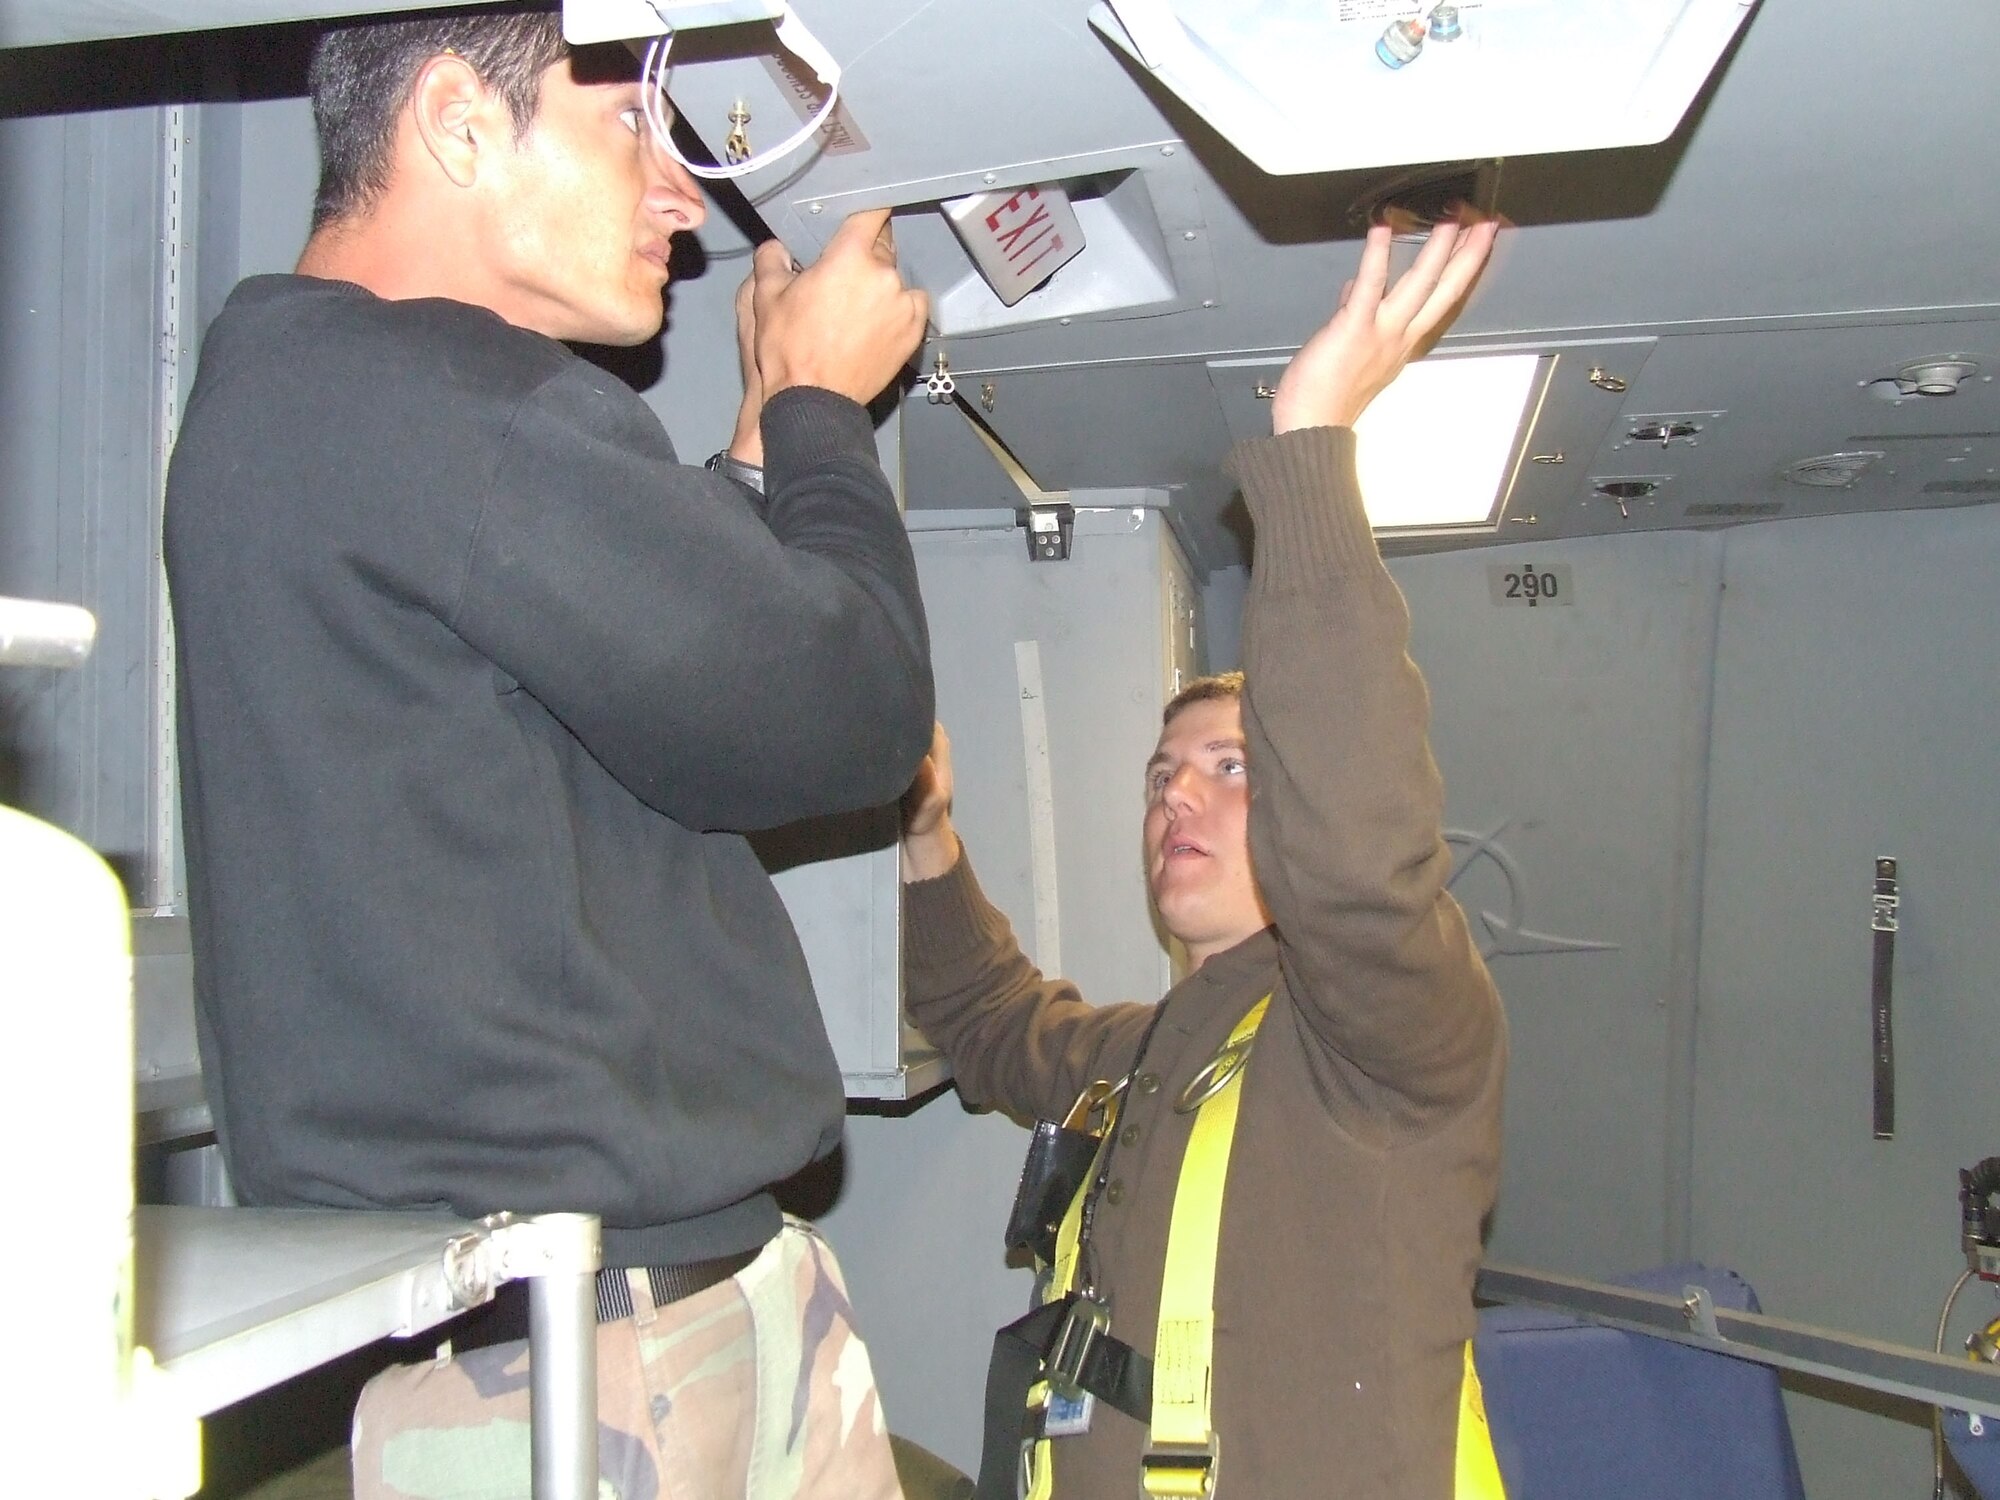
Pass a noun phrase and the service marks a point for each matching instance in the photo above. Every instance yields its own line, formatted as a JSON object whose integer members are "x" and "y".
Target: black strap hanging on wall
{"x": 1884, "y": 922}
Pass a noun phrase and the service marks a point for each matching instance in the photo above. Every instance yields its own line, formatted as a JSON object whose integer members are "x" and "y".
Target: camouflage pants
{"x": 758, "y": 1388}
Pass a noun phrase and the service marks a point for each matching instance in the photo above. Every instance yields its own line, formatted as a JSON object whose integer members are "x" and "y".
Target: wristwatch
{"x": 734, "y": 468}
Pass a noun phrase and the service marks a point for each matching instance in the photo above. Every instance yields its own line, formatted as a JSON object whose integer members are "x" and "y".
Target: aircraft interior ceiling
{"x": 1668, "y": 807}
{"x": 1777, "y": 275}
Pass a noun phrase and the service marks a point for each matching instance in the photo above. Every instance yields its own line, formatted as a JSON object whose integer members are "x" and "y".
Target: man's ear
{"x": 454, "y": 116}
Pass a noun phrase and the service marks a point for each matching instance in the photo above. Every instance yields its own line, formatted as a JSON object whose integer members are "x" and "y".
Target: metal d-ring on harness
{"x": 1069, "y": 1357}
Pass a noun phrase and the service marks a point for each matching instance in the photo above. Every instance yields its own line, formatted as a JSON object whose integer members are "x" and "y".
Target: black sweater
{"x": 478, "y": 691}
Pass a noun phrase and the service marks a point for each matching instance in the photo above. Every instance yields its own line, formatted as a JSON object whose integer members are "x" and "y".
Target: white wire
{"x": 794, "y": 36}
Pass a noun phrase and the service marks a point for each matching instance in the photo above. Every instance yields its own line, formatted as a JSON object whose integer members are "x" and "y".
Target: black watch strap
{"x": 734, "y": 468}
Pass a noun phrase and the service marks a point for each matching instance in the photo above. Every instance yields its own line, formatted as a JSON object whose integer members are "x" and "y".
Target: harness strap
{"x": 1170, "y": 1392}
{"x": 1180, "y": 1452}
{"x": 1015, "y": 1366}
{"x": 1478, "y": 1468}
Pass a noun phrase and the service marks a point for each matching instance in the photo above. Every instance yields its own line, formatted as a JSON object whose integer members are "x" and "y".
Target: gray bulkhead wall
{"x": 79, "y": 370}
{"x": 1572, "y": 738}
{"x": 1857, "y": 699}
{"x": 1696, "y": 762}
{"x": 918, "y": 1225}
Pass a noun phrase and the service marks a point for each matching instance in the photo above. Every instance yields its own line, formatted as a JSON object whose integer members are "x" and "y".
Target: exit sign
{"x": 1018, "y": 237}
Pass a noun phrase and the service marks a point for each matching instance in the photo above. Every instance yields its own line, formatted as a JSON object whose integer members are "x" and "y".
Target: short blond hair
{"x": 1203, "y": 690}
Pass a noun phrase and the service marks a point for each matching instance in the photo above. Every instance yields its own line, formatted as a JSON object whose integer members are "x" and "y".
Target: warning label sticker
{"x": 838, "y": 135}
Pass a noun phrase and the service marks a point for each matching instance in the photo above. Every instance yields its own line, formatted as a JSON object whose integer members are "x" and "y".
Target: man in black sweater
{"x": 480, "y": 690}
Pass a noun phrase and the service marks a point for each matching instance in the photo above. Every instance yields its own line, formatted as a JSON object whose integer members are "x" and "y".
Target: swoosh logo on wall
{"x": 1507, "y": 934}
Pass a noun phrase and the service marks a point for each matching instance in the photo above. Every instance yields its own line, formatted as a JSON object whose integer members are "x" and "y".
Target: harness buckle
{"x": 1180, "y": 1471}
{"x": 1076, "y": 1336}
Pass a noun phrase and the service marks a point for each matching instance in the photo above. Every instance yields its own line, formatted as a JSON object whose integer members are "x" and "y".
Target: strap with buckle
{"x": 1177, "y": 1471}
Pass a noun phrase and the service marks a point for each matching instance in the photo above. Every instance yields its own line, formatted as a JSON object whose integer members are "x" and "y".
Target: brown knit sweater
{"x": 1367, "y": 1150}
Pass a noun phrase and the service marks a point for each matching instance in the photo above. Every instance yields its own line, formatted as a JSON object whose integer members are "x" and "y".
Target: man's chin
{"x": 633, "y": 334}
{"x": 1177, "y": 914}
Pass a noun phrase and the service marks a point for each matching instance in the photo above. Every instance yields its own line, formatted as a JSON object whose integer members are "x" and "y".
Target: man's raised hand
{"x": 1379, "y": 328}
{"x": 846, "y": 323}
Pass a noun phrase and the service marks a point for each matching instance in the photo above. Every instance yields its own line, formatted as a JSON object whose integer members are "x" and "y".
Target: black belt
{"x": 1050, "y": 1343}
{"x": 669, "y": 1283}
{"x": 505, "y": 1319}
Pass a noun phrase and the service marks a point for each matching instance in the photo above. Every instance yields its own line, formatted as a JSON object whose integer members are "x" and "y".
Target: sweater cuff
{"x": 804, "y": 426}
{"x": 1306, "y": 503}
{"x": 946, "y": 918}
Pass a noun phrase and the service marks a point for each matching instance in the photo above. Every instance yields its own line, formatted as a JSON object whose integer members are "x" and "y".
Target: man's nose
{"x": 673, "y": 197}
{"x": 1183, "y": 791}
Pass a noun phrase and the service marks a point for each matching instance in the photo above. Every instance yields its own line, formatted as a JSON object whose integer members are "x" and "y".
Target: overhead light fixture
{"x": 1439, "y": 449}
{"x": 1310, "y": 86}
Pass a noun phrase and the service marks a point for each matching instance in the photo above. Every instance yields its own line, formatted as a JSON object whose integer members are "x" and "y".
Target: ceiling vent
{"x": 1831, "y": 471}
{"x": 1667, "y": 429}
{"x": 1627, "y": 489}
{"x": 1662, "y": 431}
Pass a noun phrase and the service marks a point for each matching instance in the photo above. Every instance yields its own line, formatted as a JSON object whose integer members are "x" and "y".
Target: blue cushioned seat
{"x": 1581, "y": 1412}
{"x": 1977, "y": 1453}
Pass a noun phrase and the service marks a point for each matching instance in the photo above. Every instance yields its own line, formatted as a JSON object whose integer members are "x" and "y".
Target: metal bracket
{"x": 1049, "y": 529}
{"x": 504, "y": 1247}
{"x": 1699, "y": 1309}
{"x": 1887, "y": 901}
{"x": 939, "y": 386}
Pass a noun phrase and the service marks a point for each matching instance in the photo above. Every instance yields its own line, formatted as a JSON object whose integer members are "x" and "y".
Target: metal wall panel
{"x": 1572, "y": 739}
{"x": 918, "y": 1224}
{"x": 79, "y": 515}
{"x": 1854, "y": 717}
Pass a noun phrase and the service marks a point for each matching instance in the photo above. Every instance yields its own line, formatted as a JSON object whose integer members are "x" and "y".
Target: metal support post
{"x": 558, "y": 1256}
{"x": 562, "y": 1384}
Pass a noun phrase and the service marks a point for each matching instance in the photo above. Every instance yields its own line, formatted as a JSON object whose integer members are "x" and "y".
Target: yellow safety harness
{"x": 1182, "y": 1447}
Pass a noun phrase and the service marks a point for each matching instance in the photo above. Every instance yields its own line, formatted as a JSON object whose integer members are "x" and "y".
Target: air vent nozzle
{"x": 1937, "y": 377}
{"x": 1940, "y": 375}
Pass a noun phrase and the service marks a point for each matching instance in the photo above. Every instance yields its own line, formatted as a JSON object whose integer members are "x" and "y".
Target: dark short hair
{"x": 1202, "y": 690}
{"x": 361, "y": 77}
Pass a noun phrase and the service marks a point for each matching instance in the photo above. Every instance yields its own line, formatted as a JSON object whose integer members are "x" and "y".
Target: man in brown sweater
{"x": 1293, "y": 843}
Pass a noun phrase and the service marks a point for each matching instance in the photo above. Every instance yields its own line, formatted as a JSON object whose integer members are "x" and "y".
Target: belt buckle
{"x": 1083, "y": 1324}
{"x": 1180, "y": 1471}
